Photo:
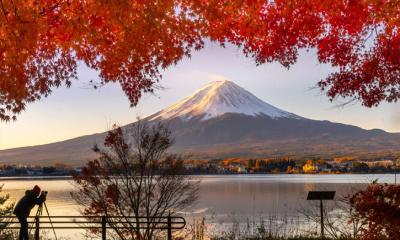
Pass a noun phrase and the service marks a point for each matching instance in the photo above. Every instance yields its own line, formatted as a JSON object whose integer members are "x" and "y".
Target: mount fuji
{"x": 224, "y": 120}
{"x": 218, "y": 98}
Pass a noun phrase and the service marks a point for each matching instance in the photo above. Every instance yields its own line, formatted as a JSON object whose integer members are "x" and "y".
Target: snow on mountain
{"x": 218, "y": 98}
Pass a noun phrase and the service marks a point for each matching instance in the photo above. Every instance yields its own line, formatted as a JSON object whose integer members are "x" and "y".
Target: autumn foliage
{"x": 378, "y": 209}
{"x": 130, "y": 42}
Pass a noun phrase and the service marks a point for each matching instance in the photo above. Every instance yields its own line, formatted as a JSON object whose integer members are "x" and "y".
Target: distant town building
{"x": 241, "y": 169}
{"x": 310, "y": 167}
{"x": 382, "y": 163}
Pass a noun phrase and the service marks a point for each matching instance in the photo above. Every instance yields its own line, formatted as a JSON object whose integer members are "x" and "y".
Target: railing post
{"x": 37, "y": 227}
{"x": 103, "y": 228}
{"x": 322, "y": 219}
{"x": 169, "y": 226}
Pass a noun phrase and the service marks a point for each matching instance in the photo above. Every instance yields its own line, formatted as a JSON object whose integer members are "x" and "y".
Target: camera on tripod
{"x": 44, "y": 193}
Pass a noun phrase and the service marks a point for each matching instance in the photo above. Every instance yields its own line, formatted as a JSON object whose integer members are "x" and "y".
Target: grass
{"x": 276, "y": 238}
{"x": 262, "y": 230}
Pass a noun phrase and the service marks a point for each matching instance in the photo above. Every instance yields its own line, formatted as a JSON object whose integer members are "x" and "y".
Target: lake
{"x": 223, "y": 198}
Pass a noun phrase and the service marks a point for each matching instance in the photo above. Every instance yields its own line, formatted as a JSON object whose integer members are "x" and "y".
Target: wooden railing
{"x": 168, "y": 223}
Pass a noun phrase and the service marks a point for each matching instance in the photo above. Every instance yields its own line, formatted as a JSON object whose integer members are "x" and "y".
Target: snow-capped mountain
{"x": 218, "y": 98}
{"x": 224, "y": 120}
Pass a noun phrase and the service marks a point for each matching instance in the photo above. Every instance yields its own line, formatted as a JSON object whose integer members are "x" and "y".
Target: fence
{"x": 168, "y": 223}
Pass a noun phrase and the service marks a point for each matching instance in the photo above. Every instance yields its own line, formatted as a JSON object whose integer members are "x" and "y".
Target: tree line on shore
{"x": 288, "y": 165}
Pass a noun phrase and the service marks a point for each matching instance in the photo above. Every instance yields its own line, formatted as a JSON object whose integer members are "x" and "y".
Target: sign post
{"x": 321, "y": 195}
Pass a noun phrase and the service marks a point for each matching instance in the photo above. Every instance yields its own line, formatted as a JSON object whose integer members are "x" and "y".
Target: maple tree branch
{"x": 56, "y": 5}
{"x": 3, "y": 10}
{"x": 15, "y": 10}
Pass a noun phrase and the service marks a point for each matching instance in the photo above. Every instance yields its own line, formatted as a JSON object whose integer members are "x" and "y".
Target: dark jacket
{"x": 25, "y": 205}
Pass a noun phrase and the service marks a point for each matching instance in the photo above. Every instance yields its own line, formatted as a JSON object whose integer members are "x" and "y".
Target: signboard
{"x": 321, "y": 195}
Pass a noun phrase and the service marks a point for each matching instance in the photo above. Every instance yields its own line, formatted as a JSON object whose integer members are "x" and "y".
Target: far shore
{"x": 69, "y": 177}
{"x": 35, "y": 178}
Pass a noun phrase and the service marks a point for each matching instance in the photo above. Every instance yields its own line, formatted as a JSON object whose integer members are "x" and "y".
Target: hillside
{"x": 224, "y": 120}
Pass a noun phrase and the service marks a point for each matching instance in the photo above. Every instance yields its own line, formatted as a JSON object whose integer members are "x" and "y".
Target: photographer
{"x": 24, "y": 207}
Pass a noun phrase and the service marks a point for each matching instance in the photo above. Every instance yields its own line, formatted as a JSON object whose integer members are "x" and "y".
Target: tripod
{"x": 40, "y": 213}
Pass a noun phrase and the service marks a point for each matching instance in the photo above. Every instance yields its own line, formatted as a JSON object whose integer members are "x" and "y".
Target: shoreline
{"x": 13, "y": 178}
{"x": 63, "y": 177}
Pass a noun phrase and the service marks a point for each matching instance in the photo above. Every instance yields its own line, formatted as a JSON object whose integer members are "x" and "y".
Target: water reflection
{"x": 222, "y": 197}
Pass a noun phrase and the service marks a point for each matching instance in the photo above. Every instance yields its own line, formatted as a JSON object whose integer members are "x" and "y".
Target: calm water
{"x": 222, "y": 198}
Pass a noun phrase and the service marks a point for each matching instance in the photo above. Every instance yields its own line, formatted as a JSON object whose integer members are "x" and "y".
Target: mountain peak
{"x": 220, "y": 82}
{"x": 217, "y": 98}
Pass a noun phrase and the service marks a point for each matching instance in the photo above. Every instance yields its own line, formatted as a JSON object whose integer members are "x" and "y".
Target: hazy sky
{"x": 80, "y": 110}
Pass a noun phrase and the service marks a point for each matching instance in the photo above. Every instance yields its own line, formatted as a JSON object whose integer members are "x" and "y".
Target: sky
{"x": 81, "y": 110}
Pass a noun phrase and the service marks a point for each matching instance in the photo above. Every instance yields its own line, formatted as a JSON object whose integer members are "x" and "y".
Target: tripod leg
{"x": 51, "y": 223}
{"x": 38, "y": 213}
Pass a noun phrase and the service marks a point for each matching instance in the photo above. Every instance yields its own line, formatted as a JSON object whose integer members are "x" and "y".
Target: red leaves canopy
{"x": 378, "y": 207}
{"x": 42, "y": 41}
